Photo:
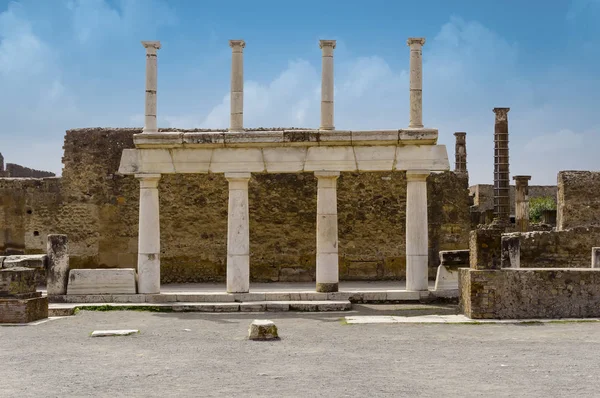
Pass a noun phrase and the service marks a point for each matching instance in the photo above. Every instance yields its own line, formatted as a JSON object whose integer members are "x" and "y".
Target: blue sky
{"x": 79, "y": 63}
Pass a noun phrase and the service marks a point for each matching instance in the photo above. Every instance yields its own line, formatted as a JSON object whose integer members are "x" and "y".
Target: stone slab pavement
{"x": 205, "y": 354}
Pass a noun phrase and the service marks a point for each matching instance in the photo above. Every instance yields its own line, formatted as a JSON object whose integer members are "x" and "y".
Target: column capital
{"x": 235, "y": 176}
{"x": 415, "y": 41}
{"x": 460, "y": 134}
{"x": 327, "y": 43}
{"x": 237, "y": 45}
{"x": 522, "y": 179}
{"x": 327, "y": 174}
{"x": 151, "y": 46}
{"x": 417, "y": 175}
{"x": 501, "y": 113}
{"x": 148, "y": 180}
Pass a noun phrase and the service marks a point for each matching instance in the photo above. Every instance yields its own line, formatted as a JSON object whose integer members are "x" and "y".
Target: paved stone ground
{"x": 318, "y": 355}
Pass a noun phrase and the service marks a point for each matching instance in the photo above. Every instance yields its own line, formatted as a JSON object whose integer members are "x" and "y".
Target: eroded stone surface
{"x": 262, "y": 330}
{"x": 102, "y": 281}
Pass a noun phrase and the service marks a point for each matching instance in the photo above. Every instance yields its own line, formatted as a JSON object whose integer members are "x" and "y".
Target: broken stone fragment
{"x": 262, "y": 330}
{"x": 107, "y": 333}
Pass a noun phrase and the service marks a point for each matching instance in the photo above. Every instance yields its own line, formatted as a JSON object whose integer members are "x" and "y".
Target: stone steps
{"x": 378, "y": 296}
{"x": 249, "y": 306}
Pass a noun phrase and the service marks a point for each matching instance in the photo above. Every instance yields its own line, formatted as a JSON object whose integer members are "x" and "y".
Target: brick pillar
{"x": 501, "y": 169}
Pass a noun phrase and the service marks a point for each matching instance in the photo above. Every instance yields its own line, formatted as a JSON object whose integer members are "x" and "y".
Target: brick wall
{"x": 98, "y": 210}
{"x": 529, "y": 293}
{"x": 578, "y": 199}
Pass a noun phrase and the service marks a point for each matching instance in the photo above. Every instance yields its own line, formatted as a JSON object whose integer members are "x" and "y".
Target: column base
{"x": 327, "y": 287}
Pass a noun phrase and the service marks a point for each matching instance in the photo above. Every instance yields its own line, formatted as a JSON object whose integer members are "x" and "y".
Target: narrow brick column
{"x": 417, "y": 235}
{"x": 501, "y": 168}
{"x": 327, "y": 231}
{"x": 327, "y": 109}
{"x": 460, "y": 152}
{"x": 238, "y": 234}
{"x": 522, "y": 202}
{"x": 237, "y": 85}
{"x": 149, "y": 235}
{"x": 416, "y": 81}
{"x": 151, "y": 76}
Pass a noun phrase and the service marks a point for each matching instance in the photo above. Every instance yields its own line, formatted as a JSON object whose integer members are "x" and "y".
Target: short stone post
{"x": 237, "y": 85}
{"x": 149, "y": 235}
{"x": 511, "y": 251}
{"x": 151, "y": 76}
{"x": 327, "y": 47}
{"x": 595, "y": 257}
{"x": 57, "y": 250}
{"x": 460, "y": 153}
{"x": 238, "y": 234}
{"x": 522, "y": 202}
{"x": 417, "y": 236}
{"x": 416, "y": 81}
{"x": 327, "y": 231}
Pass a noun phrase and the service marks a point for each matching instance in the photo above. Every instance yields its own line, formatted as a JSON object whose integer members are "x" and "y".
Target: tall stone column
{"x": 460, "y": 152}
{"x": 417, "y": 237}
{"x": 238, "y": 234}
{"x": 416, "y": 81}
{"x": 522, "y": 202}
{"x": 501, "y": 169}
{"x": 327, "y": 231}
{"x": 57, "y": 249}
{"x": 150, "y": 108}
{"x": 237, "y": 85}
{"x": 149, "y": 235}
{"x": 327, "y": 47}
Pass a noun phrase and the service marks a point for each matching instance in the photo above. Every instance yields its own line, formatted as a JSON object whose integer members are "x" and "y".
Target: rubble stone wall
{"x": 529, "y": 293}
{"x": 98, "y": 211}
{"x": 578, "y": 199}
{"x": 483, "y": 195}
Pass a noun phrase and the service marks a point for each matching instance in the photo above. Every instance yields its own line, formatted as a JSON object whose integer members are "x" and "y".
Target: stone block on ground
{"x": 455, "y": 258}
{"x": 16, "y": 281}
{"x": 108, "y": 333}
{"x": 446, "y": 278}
{"x": 37, "y": 261}
{"x": 262, "y": 329}
{"x": 23, "y": 310}
{"x": 102, "y": 281}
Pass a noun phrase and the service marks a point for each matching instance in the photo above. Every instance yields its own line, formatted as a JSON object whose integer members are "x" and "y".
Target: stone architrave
{"x": 152, "y": 48}
{"x": 238, "y": 234}
{"x": 57, "y": 250}
{"x": 416, "y": 81}
{"x": 237, "y": 85}
{"x": 417, "y": 238}
{"x": 327, "y": 231}
{"x": 327, "y": 109}
{"x": 149, "y": 235}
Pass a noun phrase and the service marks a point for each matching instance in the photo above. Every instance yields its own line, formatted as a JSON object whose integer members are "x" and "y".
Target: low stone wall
{"x": 529, "y": 293}
{"x": 483, "y": 195}
{"x": 18, "y": 171}
{"x": 578, "y": 199}
{"x": 557, "y": 249}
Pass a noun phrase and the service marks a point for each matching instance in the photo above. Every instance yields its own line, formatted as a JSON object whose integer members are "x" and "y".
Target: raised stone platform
{"x": 23, "y": 310}
{"x": 85, "y": 282}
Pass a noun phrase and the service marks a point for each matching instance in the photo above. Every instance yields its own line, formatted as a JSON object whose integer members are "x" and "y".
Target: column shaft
{"x": 460, "y": 153}
{"x": 238, "y": 234}
{"x": 327, "y": 86}
{"x": 501, "y": 168}
{"x": 149, "y": 235}
{"x": 417, "y": 239}
{"x": 522, "y": 202}
{"x": 150, "y": 125}
{"x": 416, "y": 81}
{"x": 327, "y": 231}
{"x": 237, "y": 85}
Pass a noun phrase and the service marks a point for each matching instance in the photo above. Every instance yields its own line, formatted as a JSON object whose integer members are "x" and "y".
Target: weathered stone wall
{"x": 18, "y": 171}
{"x": 98, "y": 210}
{"x": 483, "y": 195}
{"x": 529, "y": 293}
{"x": 578, "y": 199}
{"x": 558, "y": 249}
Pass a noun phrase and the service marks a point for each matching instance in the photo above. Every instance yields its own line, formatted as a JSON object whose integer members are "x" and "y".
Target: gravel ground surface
{"x": 317, "y": 355}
